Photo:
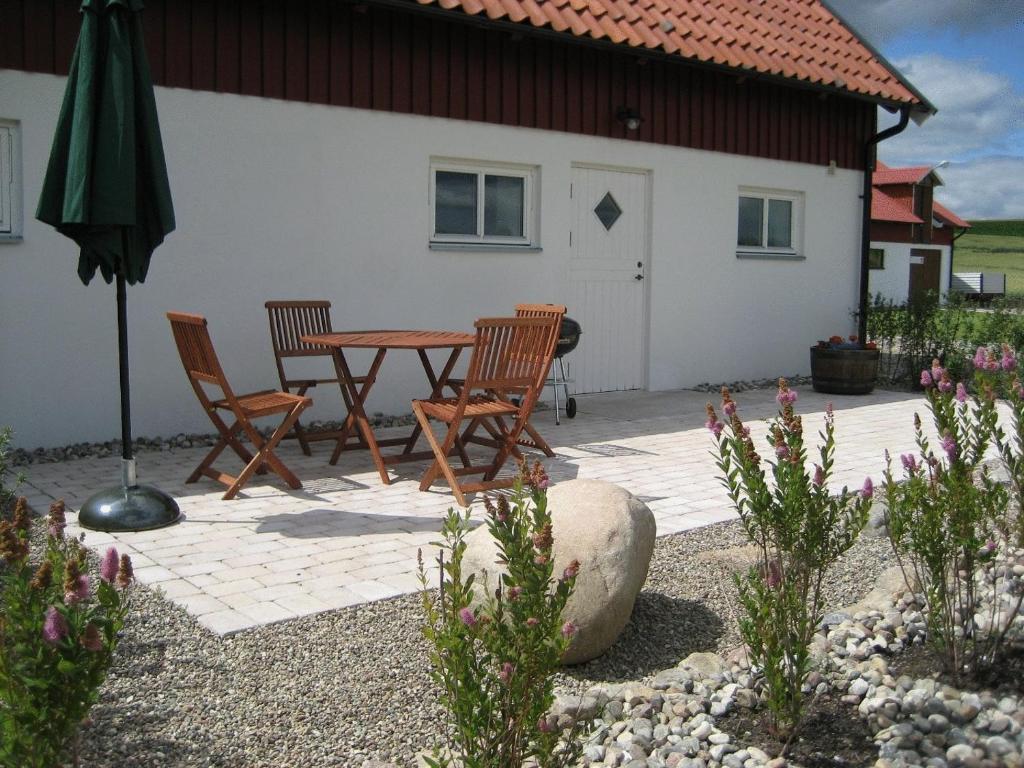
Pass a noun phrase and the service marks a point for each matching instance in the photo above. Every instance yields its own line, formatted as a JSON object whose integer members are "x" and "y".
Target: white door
{"x": 607, "y": 286}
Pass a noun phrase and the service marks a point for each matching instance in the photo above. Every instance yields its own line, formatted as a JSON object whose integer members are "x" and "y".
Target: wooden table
{"x": 382, "y": 341}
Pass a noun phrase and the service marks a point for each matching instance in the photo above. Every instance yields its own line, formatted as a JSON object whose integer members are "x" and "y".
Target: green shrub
{"x": 58, "y": 632}
{"x": 913, "y": 333}
{"x": 948, "y": 517}
{"x": 494, "y": 659}
{"x": 799, "y": 529}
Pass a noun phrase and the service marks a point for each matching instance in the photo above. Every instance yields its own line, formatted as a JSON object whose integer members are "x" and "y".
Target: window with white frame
{"x": 769, "y": 222}
{"x": 10, "y": 180}
{"x": 476, "y": 204}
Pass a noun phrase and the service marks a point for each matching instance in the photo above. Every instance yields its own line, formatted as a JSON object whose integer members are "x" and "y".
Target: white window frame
{"x": 795, "y": 249}
{"x": 528, "y": 173}
{"x": 10, "y": 181}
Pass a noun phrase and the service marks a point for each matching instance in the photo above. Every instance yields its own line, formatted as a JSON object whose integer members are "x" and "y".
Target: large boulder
{"x": 611, "y": 533}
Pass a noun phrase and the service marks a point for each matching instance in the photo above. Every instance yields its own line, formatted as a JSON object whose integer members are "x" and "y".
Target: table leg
{"x": 357, "y": 413}
{"x": 437, "y": 384}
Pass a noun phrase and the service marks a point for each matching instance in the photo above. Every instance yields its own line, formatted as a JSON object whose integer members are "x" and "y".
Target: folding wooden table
{"x": 382, "y": 341}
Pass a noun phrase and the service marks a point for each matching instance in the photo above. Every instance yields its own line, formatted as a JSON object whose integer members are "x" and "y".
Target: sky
{"x": 967, "y": 58}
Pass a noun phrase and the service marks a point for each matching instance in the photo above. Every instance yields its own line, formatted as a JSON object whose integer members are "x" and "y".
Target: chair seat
{"x": 478, "y": 405}
{"x": 265, "y": 402}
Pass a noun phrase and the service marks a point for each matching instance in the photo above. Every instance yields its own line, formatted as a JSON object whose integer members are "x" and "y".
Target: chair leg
{"x": 266, "y": 453}
{"x": 507, "y": 448}
{"x": 227, "y": 437}
{"x": 440, "y": 455}
{"x": 538, "y": 441}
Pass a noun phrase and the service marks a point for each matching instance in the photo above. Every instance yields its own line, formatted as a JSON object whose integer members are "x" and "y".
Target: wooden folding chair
{"x": 531, "y": 438}
{"x": 509, "y": 355}
{"x": 203, "y": 368}
{"x": 289, "y": 322}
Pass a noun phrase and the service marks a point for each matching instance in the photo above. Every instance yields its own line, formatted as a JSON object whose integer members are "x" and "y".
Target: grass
{"x": 994, "y": 246}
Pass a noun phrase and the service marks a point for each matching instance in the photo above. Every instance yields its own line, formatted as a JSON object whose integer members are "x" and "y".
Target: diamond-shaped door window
{"x": 608, "y": 211}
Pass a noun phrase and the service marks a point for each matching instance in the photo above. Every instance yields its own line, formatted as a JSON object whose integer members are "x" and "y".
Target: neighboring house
{"x": 912, "y": 234}
{"x": 686, "y": 176}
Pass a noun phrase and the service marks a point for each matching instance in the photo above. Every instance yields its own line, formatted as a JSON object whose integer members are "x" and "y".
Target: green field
{"x": 993, "y": 246}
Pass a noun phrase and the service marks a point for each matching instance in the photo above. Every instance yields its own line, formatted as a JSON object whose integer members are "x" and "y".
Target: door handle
{"x": 638, "y": 277}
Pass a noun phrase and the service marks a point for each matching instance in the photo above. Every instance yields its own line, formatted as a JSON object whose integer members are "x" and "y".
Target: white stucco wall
{"x": 285, "y": 200}
{"x": 893, "y": 282}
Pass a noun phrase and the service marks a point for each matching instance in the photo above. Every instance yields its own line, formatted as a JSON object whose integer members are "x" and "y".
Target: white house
{"x": 686, "y": 180}
{"x": 912, "y": 234}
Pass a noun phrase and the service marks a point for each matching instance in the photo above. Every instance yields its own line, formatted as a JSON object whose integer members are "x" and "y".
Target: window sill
{"x": 770, "y": 256}
{"x": 486, "y": 247}
{"x": 6, "y": 238}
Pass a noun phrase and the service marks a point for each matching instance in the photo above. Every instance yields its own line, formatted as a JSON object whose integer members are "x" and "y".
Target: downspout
{"x": 865, "y": 234}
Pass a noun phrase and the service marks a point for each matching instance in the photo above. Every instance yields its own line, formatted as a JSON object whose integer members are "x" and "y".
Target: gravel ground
{"x": 351, "y": 685}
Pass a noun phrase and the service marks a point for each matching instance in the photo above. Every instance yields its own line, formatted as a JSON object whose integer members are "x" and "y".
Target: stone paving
{"x": 274, "y": 554}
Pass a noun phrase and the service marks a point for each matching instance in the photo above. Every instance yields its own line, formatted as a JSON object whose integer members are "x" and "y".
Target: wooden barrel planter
{"x": 844, "y": 371}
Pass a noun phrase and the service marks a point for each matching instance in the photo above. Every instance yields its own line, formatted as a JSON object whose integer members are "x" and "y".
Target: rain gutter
{"x": 870, "y": 157}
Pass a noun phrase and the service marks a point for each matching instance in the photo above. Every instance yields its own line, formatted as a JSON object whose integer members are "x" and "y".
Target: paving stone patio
{"x": 274, "y": 554}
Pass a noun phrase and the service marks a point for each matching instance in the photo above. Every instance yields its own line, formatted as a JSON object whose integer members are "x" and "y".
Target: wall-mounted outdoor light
{"x": 629, "y": 117}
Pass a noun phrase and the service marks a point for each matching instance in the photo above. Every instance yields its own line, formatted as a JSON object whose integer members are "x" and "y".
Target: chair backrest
{"x": 289, "y": 322}
{"x": 544, "y": 310}
{"x": 192, "y": 338}
{"x": 512, "y": 353}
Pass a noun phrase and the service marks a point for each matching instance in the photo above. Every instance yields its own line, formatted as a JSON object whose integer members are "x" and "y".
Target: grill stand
{"x": 558, "y": 379}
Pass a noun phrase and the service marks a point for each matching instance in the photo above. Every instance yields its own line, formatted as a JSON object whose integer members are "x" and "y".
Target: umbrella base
{"x": 135, "y": 508}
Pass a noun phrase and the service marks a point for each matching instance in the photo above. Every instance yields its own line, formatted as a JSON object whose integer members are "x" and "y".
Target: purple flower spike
{"x": 949, "y": 446}
{"x": 926, "y": 379}
{"x": 729, "y": 408}
{"x": 108, "y": 568}
{"x": 55, "y": 628}
{"x": 980, "y": 358}
{"x": 961, "y": 393}
{"x": 467, "y": 617}
{"x": 506, "y": 672}
{"x": 80, "y": 592}
{"x": 782, "y": 451}
{"x": 819, "y": 476}
{"x": 568, "y": 629}
{"x": 909, "y": 462}
{"x": 945, "y": 385}
{"x": 868, "y": 490}
{"x": 1009, "y": 362}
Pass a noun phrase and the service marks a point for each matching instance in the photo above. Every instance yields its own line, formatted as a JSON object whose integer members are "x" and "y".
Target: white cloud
{"x": 979, "y": 111}
{"x": 990, "y": 188}
{"x": 879, "y": 20}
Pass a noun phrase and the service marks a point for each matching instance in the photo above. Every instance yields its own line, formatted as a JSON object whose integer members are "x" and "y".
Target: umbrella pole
{"x": 128, "y": 479}
{"x": 129, "y": 506}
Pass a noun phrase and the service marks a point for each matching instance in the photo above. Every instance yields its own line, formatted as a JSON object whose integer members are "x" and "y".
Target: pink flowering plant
{"x": 58, "y": 632}
{"x": 950, "y": 521}
{"x": 494, "y": 655}
{"x": 799, "y": 528}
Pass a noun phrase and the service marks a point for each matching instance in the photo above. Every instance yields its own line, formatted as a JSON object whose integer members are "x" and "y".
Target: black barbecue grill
{"x": 568, "y": 338}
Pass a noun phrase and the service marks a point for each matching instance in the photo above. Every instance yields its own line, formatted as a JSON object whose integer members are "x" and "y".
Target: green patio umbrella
{"x": 106, "y": 188}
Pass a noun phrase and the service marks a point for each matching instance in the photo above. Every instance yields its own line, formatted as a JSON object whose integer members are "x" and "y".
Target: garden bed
{"x": 348, "y": 686}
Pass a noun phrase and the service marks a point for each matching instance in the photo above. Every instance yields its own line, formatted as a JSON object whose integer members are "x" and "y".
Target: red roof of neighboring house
{"x": 885, "y": 208}
{"x": 948, "y": 216}
{"x": 796, "y": 39}
{"x": 885, "y": 175}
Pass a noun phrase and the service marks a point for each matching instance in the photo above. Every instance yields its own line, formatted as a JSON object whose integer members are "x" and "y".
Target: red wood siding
{"x": 327, "y": 51}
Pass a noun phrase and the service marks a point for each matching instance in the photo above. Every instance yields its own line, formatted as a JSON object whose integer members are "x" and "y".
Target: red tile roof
{"x": 948, "y": 216}
{"x": 884, "y": 175}
{"x": 885, "y": 208}
{"x": 795, "y": 39}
